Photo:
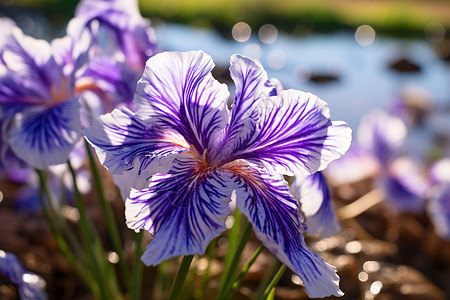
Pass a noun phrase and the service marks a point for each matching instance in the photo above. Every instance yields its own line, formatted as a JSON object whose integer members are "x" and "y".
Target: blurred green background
{"x": 389, "y": 17}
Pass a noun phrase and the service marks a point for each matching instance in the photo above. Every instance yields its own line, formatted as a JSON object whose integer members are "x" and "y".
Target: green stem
{"x": 92, "y": 243}
{"x": 244, "y": 271}
{"x": 181, "y": 277}
{"x": 61, "y": 242}
{"x": 266, "y": 279}
{"x": 274, "y": 282}
{"x": 137, "y": 268}
{"x": 109, "y": 218}
{"x": 206, "y": 275}
{"x": 231, "y": 267}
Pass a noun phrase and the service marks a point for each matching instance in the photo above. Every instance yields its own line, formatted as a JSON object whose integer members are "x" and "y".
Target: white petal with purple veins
{"x": 294, "y": 135}
{"x": 273, "y": 211}
{"x": 185, "y": 209}
{"x": 178, "y": 90}
{"x": 45, "y": 136}
{"x": 314, "y": 195}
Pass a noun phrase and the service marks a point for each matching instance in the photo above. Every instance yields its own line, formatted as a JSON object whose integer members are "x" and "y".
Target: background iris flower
{"x": 184, "y": 152}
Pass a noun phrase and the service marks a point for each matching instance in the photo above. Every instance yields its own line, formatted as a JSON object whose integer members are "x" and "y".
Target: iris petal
{"x": 294, "y": 135}
{"x": 178, "y": 89}
{"x": 185, "y": 209}
{"x": 314, "y": 195}
{"x": 251, "y": 87}
{"x": 45, "y": 136}
{"x": 269, "y": 205}
{"x": 132, "y": 147}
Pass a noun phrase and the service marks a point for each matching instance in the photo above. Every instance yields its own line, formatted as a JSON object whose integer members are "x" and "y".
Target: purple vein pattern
{"x": 194, "y": 153}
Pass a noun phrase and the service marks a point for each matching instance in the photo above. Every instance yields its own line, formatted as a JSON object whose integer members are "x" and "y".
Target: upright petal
{"x": 294, "y": 135}
{"x": 439, "y": 209}
{"x": 185, "y": 209}
{"x": 269, "y": 205}
{"x": 179, "y": 90}
{"x": 252, "y": 86}
{"x": 28, "y": 67}
{"x": 134, "y": 148}
{"x": 45, "y": 136}
{"x": 314, "y": 195}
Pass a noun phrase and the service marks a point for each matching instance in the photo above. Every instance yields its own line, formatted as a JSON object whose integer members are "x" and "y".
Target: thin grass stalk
{"x": 266, "y": 279}
{"x": 91, "y": 240}
{"x": 231, "y": 267}
{"x": 137, "y": 268}
{"x": 228, "y": 293}
{"x": 181, "y": 277}
{"x": 82, "y": 273}
{"x": 109, "y": 218}
{"x": 274, "y": 283}
{"x": 206, "y": 275}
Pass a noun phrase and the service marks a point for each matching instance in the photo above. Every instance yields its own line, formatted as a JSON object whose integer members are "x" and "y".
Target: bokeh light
{"x": 268, "y": 34}
{"x": 365, "y": 35}
{"x": 276, "y": 59}
{"x": 241, "y": 32}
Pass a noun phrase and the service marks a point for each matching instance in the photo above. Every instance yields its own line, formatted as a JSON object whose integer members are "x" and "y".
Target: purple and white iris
{"x": 439, "y": 202}
{"x": 187, "y": 153}
{"x": 30, "y": 285}
{"x": 41, "y": 112}
{"x": 122, "y": 41}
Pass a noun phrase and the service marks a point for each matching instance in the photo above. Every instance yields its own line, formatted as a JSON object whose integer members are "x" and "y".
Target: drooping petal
{"x": 185, "y": 209}
{"x": 294, "y": 135}
{"x": 439, "y": 209}
{"x": 382, "y": 135}
{"x": 29, "y": 284}
{"x": 178, "y": 89}
{"x": 314, "y": 195}
{"x": 273, "y": 211}
{"x": 45, "y": 136}
{"x": 129, "y": 146}
{"x": 404, "y": 186}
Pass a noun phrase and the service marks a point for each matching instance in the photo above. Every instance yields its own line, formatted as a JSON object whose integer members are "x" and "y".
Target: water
{"x": 364, "y": 80}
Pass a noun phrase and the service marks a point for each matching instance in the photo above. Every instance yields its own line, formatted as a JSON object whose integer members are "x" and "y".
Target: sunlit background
{"x": 356, "y": 55}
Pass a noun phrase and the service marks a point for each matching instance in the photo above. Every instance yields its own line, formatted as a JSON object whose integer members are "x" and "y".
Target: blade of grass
{"x": 241, "y": 275}
{"x": 232, "y": 265}
{"x": 181, "y": 277}
{"x": 274, "y": 282}
{"x": 110, "y": 221}
{"x": 94, "y": 248}
{"x": 137, "y": 268}
{"x": 266, "y": 280}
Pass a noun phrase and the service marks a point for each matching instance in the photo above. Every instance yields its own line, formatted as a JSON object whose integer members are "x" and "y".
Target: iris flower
{"x": 29, "y": 285}
{"x": 184, "y": 152}
{"x": 122, "y": 41}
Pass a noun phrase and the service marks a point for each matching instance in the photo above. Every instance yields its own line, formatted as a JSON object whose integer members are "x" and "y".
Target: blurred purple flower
{"x": 439, "y": 202}
{"x": 315, "y": 197}
{"x": 404, "y": 186}
{"x": 381, "y": 135}
{"x": 188, "y": 153}
{"x": 122, "y": 41}
{"x": 30, "y": 285}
